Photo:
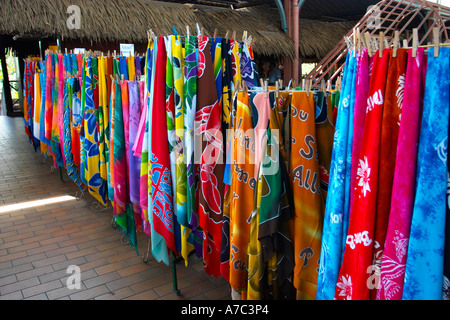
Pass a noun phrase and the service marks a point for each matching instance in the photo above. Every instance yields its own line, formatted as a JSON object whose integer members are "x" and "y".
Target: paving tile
{"x": 42, "y": 288}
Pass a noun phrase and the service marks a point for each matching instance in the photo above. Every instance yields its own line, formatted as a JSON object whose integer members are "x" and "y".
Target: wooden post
{"x": 6, "y": 84}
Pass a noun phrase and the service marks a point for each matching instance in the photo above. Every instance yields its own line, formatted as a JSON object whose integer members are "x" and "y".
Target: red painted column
{"x": 295, "y": 36}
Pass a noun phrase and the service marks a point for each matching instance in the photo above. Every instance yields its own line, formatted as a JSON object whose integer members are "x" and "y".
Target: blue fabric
{"x": 425, "y": 261}
{"x": 337, "y": 208}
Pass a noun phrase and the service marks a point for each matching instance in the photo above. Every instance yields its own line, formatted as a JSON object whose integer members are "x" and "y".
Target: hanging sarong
{"x": 103, "y": 116}
{"x": 446, "y": 281}
{"x": 28, "y": 89}
{"x": 324, "y": 135}
{"x": 393, "y": 265}
{"x": 97, "y": 186}
{"x": 425, "y": 261}
{"x": 208, "y": 126}
{"x": 358, "y": 256}
{"x": 171, "y": 134}
{"x": 162, "y": 196}
{"x": 37, "y": 106}
{"x": 243, "y": 183}
{"x": 306, "y": 227}
{"x": 134, "y": 162}
{"x": 393, "y": 102}
{"x": 159, "y": 244}
{"x": 227, "y": 85}
{"x": 190, "y": 98}
{"x": 111, "y": 165}
{"x": 247, "y": 67}
{"x": 336, "y": 211}
{"x": 271, "y": 253}
{"x": 362, "y": 92}
{"x": 72, "y": 170}
{"x": 187, "y": 245}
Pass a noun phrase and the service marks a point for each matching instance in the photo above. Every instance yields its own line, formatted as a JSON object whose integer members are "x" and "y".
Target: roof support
{"x": 282, "y": 16}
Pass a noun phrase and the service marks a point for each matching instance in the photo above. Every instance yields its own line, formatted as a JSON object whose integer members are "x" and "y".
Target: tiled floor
{"x": 38, "y": 244}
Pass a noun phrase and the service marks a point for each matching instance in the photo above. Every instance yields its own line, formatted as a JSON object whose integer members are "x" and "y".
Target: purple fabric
{"x": 134, "y": 161}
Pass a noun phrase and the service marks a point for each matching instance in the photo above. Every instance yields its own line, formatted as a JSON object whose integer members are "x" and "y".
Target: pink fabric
{"x": 402, "y": 201}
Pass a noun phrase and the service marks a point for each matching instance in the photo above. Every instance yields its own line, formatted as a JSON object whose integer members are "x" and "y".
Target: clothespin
{"x": 368, "y": 43}
{"x": 276, "y": 89}
{"x": 338, "y": 83}
{"x": 380, "y": 50}
{"x": 308, "y": 87}
{"x": 238, "y": 86}
{"x": 187, "y": 31}
{"x": 234, "y": 34}
{"x": 122, "y": 77}
{"x": 415, "y": 42}
{"x": 226, "y": 35}
{"x": 322, "y": 85}
{"x": 198, "y": 29}
{"x": 396, "y": 44}
{"x": 405, "y": 43}
{"x": 215, "y": 33}
{"x": 436, "y": 41}
{"x": 328, "y": 85}
{"x": 244, "y": 37}
{"x": 358, "y": 41}
{"x": 109, "y": 53}
{"x": 244, "y": 85}
{"x": 261, "y": 82}
{"x": 266, "y": 88}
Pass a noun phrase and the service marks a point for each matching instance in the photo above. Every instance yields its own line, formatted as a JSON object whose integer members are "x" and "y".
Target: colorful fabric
{"x": 72, "y": 170}
{"x": 187, "y": 245}
{"x": 162, "y": 192}
{"x": 227, "y": 85}
{"x": 324, "y": 135}
{"x": 134, "y": 162}
{"x": 97, "y": 186}
{"x": 358, "y": 255}
{"x": 159, "y": 244}
{"x": 306, "y": 226}
{"x": 364, "y": 66}
{"x": 243, "y": 184}
{"x": 425, "y": 261}
{"x": 208, "y": 125}
{"x": 336, "y": 211}
{"x": 395, "y": 248}
{"x": 393, "y": 102}
{"x": 271, "y": 252}
{"x": 190, "y": 98}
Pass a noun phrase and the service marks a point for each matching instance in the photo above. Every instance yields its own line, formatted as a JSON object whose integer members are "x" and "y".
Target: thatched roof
{"x": 129, "y": 20}
{"x": 318, "y": 38}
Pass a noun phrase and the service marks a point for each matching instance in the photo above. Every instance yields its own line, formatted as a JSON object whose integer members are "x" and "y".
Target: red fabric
{"x": 358, "y": 256}
{"x": 163, "y": 216}
{"x": 208, "y": 124}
